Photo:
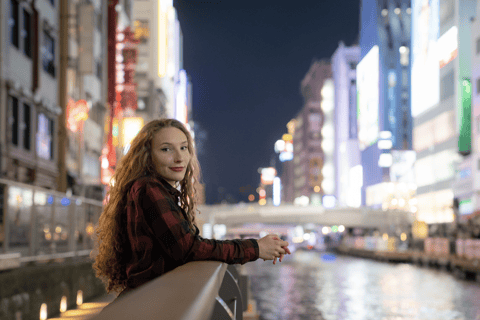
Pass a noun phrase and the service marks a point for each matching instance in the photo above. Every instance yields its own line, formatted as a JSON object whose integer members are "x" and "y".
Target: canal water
{"x": 315, "y": 285}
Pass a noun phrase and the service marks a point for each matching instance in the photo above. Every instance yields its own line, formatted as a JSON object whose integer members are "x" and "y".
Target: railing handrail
{"x": 187, "y": 292}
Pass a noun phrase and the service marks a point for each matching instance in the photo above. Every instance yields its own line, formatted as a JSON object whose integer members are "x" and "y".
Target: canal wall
{"x": 24, "y": 290}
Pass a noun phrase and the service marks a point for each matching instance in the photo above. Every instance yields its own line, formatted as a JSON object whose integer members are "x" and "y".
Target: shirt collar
{"x": 173, "y": 191}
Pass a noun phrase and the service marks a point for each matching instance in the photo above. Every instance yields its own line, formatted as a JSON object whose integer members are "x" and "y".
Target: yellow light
{"x": 162, "y": 41}
{"x": 79, "y": 297}
{"x": 43, "y": 311}
{"x": 262, "y": 202}
{"x": 316, "y": 189}
{"x": 287, "y": 137}
{"x": 63, "y": 304}
{"x": 403, "y": 236}
{"x": 58, "y": 229}
{"x": 385, "y": 236}
{"x": 48, "y": 236}
{"x": 130, "y": 128}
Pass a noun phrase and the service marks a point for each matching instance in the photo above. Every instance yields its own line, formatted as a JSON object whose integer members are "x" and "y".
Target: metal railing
{"x": 38, "y": 224}
{"x": 199, "y": 290}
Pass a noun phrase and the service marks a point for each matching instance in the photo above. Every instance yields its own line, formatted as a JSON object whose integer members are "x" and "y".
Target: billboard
{"x": 425, "y": 57}
{"x": 367, "y": 98}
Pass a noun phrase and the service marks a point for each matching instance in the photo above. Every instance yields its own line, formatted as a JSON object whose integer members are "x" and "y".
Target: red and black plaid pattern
{"x": 160, "y": 236}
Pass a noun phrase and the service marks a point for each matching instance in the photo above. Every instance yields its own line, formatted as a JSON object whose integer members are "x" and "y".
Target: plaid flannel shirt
{"x": 160, "y": 236}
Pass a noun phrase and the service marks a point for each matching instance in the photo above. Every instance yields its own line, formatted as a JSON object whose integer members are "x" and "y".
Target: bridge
{"x": 237, "y": 215}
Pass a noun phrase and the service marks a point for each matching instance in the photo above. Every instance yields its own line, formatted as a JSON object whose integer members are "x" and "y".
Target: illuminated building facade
{"x": 308, "y": 155}
{"x": 384, "y": 122}
{"x": 284, "y": 148}
{"x": 29, "y": 84}
{"x": 161, "y": 81}
{"x": 348, "y": 186}
{"x": 441, "y": 107}
{"x": 475, "y": 51}
{"x": 86, "y": 93}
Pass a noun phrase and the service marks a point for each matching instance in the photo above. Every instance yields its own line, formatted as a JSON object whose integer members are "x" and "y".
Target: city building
{"x": 384, "y": 121}
{"x": 348, "y": 185}
{"x": 441, "y": 107}
{"x": 475, "y": 81}
{"x": 308, "y": 155}
{"x": 29, "y": 83}
{"x": 160, "y": 61}
{"x": 86, "y": 93}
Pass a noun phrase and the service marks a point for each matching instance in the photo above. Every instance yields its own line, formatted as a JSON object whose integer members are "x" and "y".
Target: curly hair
{"x": 111, "y": 250}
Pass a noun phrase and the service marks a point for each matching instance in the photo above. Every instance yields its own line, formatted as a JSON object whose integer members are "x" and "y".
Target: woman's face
{"x": 170, "y": 154}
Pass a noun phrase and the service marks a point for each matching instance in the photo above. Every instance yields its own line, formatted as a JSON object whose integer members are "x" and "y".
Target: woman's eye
{"x": 185, "y": 148}
{"x": 165, "y": 149}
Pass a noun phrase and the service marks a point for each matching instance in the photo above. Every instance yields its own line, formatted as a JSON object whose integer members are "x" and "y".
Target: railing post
{"x": 229, "y": 304}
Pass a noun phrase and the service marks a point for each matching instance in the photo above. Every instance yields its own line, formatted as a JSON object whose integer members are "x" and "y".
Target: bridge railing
{"x": 38, "y": 224}
{"x": 199, "y": 290}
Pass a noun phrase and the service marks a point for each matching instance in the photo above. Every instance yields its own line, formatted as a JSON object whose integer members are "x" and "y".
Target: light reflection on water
{"x": 309, "y": 286}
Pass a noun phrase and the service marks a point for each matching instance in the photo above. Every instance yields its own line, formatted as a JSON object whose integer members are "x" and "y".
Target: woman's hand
{"x": 271, "y": 248}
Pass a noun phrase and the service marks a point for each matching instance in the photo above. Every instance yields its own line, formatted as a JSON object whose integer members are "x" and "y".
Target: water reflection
{"x": 308, "y": 285}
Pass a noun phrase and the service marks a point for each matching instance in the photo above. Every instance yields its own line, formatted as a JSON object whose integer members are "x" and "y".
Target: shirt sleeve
{"x": 173, "y": 233}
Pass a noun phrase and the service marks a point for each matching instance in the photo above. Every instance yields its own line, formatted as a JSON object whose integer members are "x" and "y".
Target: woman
{"x": 147, "y": 227}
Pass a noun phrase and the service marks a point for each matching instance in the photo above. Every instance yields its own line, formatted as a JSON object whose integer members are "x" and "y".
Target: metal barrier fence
{"x": 198, "y": 290}
{"x": 38, "y": 224}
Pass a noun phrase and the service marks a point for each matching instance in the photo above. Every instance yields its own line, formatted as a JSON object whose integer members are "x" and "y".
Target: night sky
{"x": 246, "y": 60}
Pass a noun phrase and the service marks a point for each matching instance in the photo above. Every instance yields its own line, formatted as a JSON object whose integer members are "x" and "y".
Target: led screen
{"x": 425, "y": 60}
{"x": 367, "y": 98}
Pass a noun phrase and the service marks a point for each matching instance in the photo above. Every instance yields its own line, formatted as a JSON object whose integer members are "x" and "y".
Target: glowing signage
{"x": 268, "y": 174}
{"x": 465, "y": 137}
{"x": 425, "y": 86}
{"x": 448, "y": 46}
{"x": 181, "y": 109}
{"x": 367, "y": 98}
{"x": 130, "y": 128}
{"x": 141, "y": 30}
{"x": 162, "y": 37}
{"x": 77, "y": 113}
{"x": 276, "y": 191}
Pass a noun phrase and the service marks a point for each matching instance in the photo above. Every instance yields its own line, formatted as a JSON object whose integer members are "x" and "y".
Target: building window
{"x": 13, "y": 23}
{"x": 45, "y": 137}
{"x": 99, "y": 21}
{"x": 478, "y": 45}
{"x": 478, "y": 86}
{"x": 26, "y": 125}
{"x": 99, "y": 69}
{"x": 14, "y": 120}
{"x": 27, "y": 33}
{"x": 353, "y": 65}
{"x": 48, "y": 51}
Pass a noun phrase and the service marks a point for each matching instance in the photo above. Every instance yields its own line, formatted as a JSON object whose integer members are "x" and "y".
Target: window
{"x": 353, "y": 65}
{"x": 99, "y": 21}
{"x": 14, "y": 119}
{"x": 13, "y": 23}
{"x": 478, "y": 45}
{"x": 447, "y": 86}
{"x": 26, "y": 125}
{"x": 478, "y": 86}
{"x": 27, "y": 33}
{"x": 45, "y": 137}
{"x": 48, "y": 51}
{"x": 99, "y": 69}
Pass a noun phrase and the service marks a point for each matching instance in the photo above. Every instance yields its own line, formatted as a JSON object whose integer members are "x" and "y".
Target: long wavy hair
{"x": 112, "y": 249}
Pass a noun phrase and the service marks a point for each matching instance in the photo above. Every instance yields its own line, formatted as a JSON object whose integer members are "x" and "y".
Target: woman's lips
{"x": 176, "y": 169}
